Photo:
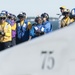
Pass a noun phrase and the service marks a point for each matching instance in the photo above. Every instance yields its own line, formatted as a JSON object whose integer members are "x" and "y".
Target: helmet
{"x": 2, "y": 15}
{"x": 4, "y": 12}
{"x": 73, "y": 12}
{"x": 45, "y": 15}
{"x": 14, "y": 16}
{"x": 9, "y": 14}
{"x": 22, "y": 15}
{"x": 62, "y": 7}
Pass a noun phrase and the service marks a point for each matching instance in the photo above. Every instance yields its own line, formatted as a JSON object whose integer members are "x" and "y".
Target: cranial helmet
{"x": 45, "y": 15}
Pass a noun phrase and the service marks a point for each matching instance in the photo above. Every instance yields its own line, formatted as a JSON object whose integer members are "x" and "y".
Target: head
{"x": 22, "y": 16}
{"x": 62, "y": 8}
{"x": 12, "y": 17}
{"x": 45, "y": 17}
{"x": 66, "y": 13}
{"x": 2, "y": 18}
{"x": 9, "y": 16}
{"x": 4, "y": 12}
{"x": 38, "y": 20}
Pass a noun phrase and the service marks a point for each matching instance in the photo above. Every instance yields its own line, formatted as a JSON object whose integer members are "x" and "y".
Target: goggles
{"x": 2, "y": 18}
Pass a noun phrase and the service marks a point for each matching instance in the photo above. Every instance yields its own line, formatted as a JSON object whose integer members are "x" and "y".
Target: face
{"x": 21, "y": 18}
{"x": 39, "y": 21}
{"x": 2, "y": 19}
{"x": 44, "y": 19}
{"x": 67, "y": 15}
{"x": 62, "y": 10}
{"x": 9, "y": 17}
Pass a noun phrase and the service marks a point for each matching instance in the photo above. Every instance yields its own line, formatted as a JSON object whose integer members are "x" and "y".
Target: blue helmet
{"x": 73, "y": 12}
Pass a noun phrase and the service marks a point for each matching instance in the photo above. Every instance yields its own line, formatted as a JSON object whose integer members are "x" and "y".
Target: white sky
{"x": 36, "y": 7}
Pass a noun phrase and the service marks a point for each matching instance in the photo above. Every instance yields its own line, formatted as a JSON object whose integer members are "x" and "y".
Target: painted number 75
{"x": 48, "y": 60}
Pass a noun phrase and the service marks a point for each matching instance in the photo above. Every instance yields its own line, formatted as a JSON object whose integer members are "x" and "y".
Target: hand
{"x": 2, "y": 33}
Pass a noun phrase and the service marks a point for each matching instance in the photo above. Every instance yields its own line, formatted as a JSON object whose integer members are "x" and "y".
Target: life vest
{"x": 22, "y": 31}
{"x": 48, "y": 26}
{"x": 65, "y": 22}
{"x": 39, "y": 30}
{"x": 7, "y": 30}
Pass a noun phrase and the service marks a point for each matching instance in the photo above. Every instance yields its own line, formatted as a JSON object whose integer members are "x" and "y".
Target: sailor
{"x": 23, "y": 28}
{"x": 46, "y": 23}
{"x": 5, "y": 33}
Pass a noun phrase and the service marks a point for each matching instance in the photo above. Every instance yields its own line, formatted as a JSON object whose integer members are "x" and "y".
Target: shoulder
{"x": 6, "y": 23}
{"x": 61, "y": 17}
{"x": 48, "y": 23}
{"x": 27, "y": 22}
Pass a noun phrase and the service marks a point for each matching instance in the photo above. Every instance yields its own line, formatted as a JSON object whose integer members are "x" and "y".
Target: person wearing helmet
{"x": 5, "y": 32}
{"x": 8, "y": 18}
{"x": 66, "y": 19}
{"x": 38, "y": 29}
{"x": 23, "y": 28}
{"x": 5, "y": 12}
{"x": 62, "y": 8}
{"x": 12, "y": 21}
{"x": 46, "y": 23}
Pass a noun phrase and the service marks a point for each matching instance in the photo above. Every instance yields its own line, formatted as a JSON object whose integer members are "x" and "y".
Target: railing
{"x": 51, "y": 18}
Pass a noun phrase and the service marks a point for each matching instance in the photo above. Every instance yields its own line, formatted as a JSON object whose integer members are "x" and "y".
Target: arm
{"x": 13, "y": 27}
{"x": 8, "y": 31}
{"x": 29, "y": 26}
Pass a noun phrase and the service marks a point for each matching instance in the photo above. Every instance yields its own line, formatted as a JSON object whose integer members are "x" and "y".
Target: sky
{"x": 35, "y": 7}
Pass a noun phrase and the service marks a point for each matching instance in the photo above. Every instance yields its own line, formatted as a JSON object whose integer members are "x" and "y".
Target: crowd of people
{"x": 67, "y": 17}
{"x": 17, "y": 29}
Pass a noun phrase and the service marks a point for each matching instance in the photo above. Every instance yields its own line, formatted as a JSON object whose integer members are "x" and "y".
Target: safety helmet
{"x": 4, "y": 12}
{"x": 22, "y": 15}
{"x": 45, "y": 15}
{"x": 14, "y": 16}
{"x": 9, "y": 15}
{"x": 2, "y": 15}
{"x": 62, "y": 7}
{"x": 73, "y": 12}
